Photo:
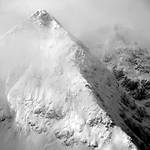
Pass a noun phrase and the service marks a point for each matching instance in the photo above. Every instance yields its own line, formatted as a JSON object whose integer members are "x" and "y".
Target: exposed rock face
{"x": 131, "y": 67}
{"x": 63, "y": 92}
{"x": 42, "y": 17}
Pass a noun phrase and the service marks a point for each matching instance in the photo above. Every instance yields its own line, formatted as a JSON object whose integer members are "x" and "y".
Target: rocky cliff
{"x": 130, "y": 66}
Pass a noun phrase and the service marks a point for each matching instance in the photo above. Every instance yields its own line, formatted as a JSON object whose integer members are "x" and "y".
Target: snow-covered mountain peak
{"x": 42, "y": 16}
{"x": 60, "y": 93}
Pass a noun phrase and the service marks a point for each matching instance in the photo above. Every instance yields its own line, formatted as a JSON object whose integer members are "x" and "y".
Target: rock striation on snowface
{"x": 61, "y": 91}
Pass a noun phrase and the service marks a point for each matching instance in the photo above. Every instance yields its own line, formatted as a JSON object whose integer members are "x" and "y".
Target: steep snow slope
{"x": 60, "y": 96}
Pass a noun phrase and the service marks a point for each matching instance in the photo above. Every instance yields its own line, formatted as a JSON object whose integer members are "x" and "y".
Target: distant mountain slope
{"x": 131, "y": 67}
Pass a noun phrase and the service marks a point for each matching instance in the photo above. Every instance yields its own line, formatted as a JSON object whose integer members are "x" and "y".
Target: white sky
{"x": 81, "y": 17}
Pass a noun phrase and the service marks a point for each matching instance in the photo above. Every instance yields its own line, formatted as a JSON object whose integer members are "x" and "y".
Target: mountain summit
{"x": 43, "y": 17}
{"x": 60, "y": 96}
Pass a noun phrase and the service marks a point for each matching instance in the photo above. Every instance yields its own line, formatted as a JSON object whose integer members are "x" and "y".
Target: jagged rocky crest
{"x": 42, "y": 17}
{"x": 64, "y": 94}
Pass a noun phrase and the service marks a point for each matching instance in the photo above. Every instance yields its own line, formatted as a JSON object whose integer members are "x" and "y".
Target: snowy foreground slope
{"x": 59, "y": 96}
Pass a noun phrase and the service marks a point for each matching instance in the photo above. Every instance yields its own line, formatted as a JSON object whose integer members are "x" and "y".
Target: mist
{"x": 91, "y": 21}
{"x": 81, "y": 18}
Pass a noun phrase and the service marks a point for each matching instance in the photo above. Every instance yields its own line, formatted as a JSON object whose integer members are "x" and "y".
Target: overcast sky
{"x": 81, "y": 17}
